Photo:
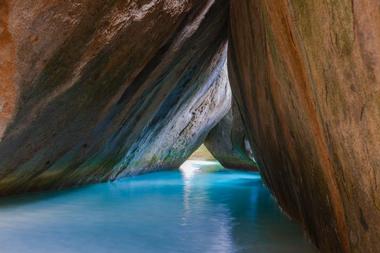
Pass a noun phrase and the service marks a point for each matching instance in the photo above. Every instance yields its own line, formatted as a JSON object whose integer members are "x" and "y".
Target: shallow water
{"x": 201, "y": 209}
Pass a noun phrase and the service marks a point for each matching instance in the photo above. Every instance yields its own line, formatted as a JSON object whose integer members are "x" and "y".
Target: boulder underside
{"x": 95, "y": 90}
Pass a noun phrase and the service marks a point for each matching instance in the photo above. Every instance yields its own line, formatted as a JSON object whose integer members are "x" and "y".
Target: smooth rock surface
{"x": 307, "y": 78}
{"x": 89, "y": 87}
{"x": 229, "y": 143}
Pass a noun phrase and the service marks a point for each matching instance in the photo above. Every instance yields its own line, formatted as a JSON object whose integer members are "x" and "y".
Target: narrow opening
{"x": 202, "y": 154}
{"x": 200, "y": 160}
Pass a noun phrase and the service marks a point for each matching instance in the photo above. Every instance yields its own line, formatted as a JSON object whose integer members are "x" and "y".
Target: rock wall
{"x": 181, "y": 127}
{"x": 229, "y": 143}
{"x": 307, "y": 78}
{"x": 90, "y": 87}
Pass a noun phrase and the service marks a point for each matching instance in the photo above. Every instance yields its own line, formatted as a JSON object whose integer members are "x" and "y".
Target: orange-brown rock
{"x": 307, "y": 78}
{"x": 8, "y": 88}
{"x": 88, "y": 86}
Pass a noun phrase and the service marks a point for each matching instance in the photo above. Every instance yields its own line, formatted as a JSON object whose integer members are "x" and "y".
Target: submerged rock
{"x": 94, "y": 90}
{"x": 307, "y": 76}
{"x": 229, "y": 144}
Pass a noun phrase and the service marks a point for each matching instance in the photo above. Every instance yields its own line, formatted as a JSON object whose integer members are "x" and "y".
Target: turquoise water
{"x": 201, "y": 209}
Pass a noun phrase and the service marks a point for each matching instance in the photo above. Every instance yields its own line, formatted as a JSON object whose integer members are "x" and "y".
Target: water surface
{"x": 200, "y": 209}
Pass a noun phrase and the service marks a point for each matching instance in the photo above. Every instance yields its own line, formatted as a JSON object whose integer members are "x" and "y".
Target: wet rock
{"x": 91, "y": 90}
{"x": 306, "y": 75}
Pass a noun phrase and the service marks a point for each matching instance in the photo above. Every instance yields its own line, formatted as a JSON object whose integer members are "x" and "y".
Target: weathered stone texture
{"x": 307, "y": 78}
{"x": 86, "y": 85}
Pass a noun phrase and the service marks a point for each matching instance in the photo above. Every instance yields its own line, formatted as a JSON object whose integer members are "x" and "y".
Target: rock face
{"x": 229, "y": 143}
{"x": 181, "y": 128}
{"x": 307, "y": 78}
{"x": 91, "y": 90}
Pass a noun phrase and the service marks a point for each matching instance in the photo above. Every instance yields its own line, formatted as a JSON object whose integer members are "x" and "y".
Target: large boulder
{"x": 180, "y": 128}
{"x": 229, "y": 143}
{"x": 93, "y": 90}
{"x": 307, "y": 78}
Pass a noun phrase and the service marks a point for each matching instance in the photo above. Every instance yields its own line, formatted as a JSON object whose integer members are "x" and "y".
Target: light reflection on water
{"x": 203, "y": 208}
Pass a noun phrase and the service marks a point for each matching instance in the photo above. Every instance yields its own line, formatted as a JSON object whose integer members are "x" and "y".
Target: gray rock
{"x": 229, "y": 144}
{"x": 95, "y": 90}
